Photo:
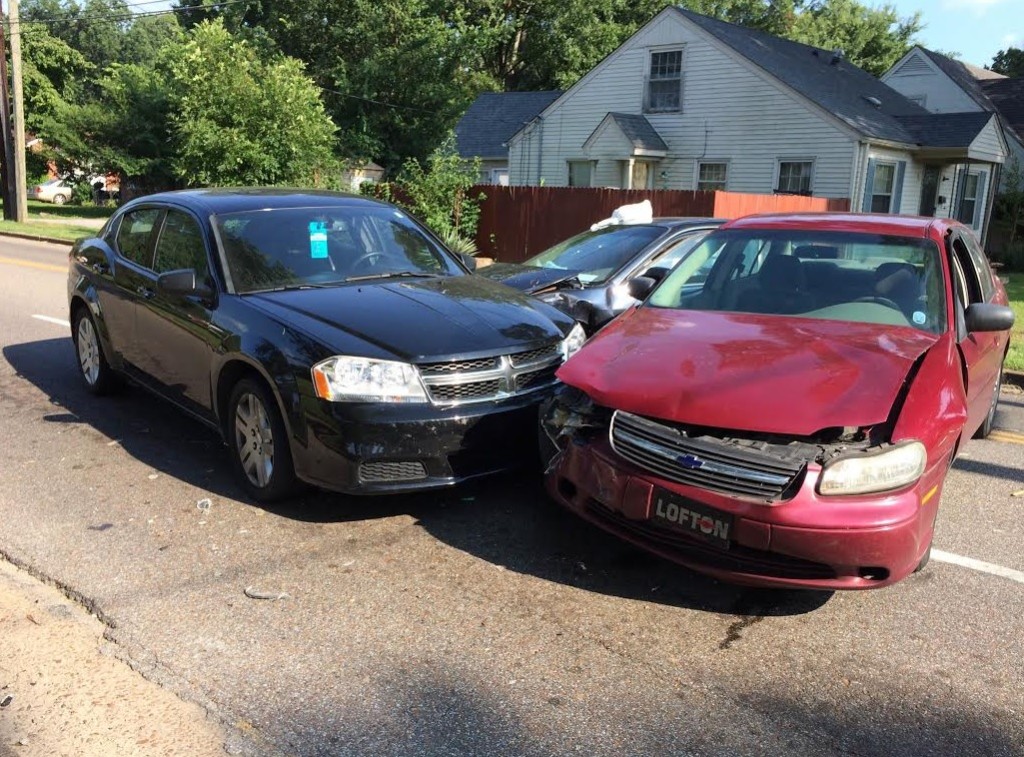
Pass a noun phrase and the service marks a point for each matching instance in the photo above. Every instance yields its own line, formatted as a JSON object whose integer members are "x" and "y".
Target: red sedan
{"x": 783, "y": 408}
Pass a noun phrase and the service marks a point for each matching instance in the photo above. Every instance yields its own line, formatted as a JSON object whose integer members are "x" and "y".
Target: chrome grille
{"x": 384, "y": 471}
{"x": 491, "y": 378}
{"x": 535, "y": 356}
{"x": 704, "y": 462}
{"x": 459, "y": 366}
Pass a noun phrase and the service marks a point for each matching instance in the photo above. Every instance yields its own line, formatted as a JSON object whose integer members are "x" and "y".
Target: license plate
{"x": 693, "y": 518}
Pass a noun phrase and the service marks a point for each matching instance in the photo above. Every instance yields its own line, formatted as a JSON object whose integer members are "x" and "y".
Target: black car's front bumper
{"x": 364, "y": 448}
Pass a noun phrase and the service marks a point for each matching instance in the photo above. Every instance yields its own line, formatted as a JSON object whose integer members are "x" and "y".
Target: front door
{"x": 177, "y": 339}
{"x": 929, "y": 189}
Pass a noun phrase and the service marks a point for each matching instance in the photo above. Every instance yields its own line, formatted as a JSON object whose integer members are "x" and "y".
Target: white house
{"x": 943, "y": 85}
{"x": 690, "y": 102}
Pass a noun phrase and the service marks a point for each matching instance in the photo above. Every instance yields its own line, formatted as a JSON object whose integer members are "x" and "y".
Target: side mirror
{"x": 469, "y": 261}
{"x": 181, "y": 283}
{"x": 656, "y": 272}
{"x": 984, "y": 316}
{"x": 641, "y": 286}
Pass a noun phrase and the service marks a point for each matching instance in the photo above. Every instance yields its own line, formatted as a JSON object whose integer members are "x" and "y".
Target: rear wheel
{"x": 96, "y": 373}
{"x": 986, "y": 427}
{"x": 260, "y": 454}
{"x": 60, "y": 199}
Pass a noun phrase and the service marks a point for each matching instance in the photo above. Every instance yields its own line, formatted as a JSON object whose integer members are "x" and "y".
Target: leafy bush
{"x": 81, "y": 193}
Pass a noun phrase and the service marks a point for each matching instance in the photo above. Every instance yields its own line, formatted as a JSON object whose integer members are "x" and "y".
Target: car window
{"x": 135, "y": 235}
{"x": 848, "y": 276}
{"x": 292, "y": 247}
{"x": 181, "y": 246}
{"x": 967, "y": 271}
{"x": 596, "y": 255}
{"x": 981, "y": 265}
{"x": 670, "y": 257}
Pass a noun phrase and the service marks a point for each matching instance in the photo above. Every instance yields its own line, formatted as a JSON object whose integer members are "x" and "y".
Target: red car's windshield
{"x": 862, "y": 277}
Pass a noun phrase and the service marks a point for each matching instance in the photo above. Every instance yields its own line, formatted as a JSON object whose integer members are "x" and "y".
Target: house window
{"x": 969, "y": 199}
{"x": 712, "y": 176}
{"x": 581, "y": 173}
{"x": 881, "y": 190}
{"x": 795, "y": 177}
{"x": 664, "y": 82}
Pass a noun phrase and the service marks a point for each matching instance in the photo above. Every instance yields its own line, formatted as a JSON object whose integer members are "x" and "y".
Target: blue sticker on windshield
{"x": 318, "y": 239}
{"x": 919, "y": 317}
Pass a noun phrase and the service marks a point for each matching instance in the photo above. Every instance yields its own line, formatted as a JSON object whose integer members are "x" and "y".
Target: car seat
{"x": 781, "y": 288}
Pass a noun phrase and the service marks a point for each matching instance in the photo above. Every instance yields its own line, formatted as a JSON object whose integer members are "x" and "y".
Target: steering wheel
{"x": 365, "y": 260}
{"x": 880, "y": 301}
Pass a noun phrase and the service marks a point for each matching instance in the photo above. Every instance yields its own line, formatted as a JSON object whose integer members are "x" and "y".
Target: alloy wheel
{"x": 88, "y": 351}
{"x": 254, "y": 440}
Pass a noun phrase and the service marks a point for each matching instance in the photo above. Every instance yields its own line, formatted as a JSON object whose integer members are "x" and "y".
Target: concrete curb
{"x": 35, "y": 237}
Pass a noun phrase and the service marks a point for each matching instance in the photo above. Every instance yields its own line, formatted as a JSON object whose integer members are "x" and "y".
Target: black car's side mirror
{"x": 985, "y": 316}
{"x": 182, "y": 282}
{"x": 469, "y": 261}
{"x": 641, "y": 286}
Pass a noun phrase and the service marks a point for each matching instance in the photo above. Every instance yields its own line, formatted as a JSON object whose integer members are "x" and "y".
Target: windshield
{"x": 596, "y": 255}
{"x": 867, "y": 278}
{"x": 297, "y": 247}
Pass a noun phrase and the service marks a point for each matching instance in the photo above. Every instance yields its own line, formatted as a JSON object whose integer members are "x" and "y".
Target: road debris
{"x": 153, "y": 476}
{"x": 6, "y": 701}
{"x": 271, "y": 595}
{"x": 204, "y": 505}
{"x": 1018, "y": 493}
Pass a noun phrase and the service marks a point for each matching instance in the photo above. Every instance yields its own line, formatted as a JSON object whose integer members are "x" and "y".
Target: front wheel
{"x": 260, "y": 454}
{"x": 96, "y": 373}
{"x": 986, "y": 427}
{"x": 59, "y": 199}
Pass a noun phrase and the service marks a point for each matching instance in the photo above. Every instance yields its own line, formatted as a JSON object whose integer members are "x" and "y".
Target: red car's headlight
{"x": 878, "y": 470}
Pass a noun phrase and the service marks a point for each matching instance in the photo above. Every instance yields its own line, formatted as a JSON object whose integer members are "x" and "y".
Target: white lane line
{"x": 57, "y": 321}
{"x": 984, "y": 567}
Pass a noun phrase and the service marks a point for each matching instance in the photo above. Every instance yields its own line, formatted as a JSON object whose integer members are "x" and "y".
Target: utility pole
{"x": 20, "y": 187}
{"x": 7, "y": 167}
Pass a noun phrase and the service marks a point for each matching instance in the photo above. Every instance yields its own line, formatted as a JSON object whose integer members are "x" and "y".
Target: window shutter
{"x": 980, "y": 197}
{"x": 959, "y": 180}
{"x": 869, "y": 185}
{"x": 897, "y": 189}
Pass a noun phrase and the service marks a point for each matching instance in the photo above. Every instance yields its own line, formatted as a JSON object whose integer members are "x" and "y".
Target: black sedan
{"x": 588, "y": 275}
{"x": 330, "y": 339}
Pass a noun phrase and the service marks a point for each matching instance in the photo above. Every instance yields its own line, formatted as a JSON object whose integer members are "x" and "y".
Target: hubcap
{"x": 254, "y": 440}
{"x": 88, "y": 351}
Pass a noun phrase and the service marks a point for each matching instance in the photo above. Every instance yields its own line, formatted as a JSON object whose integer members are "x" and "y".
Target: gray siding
{"x": 988, "y": 145}
{"x": 731, "y": 112}
{"x": 917, "y": 76}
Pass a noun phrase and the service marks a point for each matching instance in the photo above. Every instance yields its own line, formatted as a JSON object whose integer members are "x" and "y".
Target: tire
{"x": 258, "y": 442}
{"x": 94, "y": 370}
{"x": 924, "y": 560}
{"x": 986, "y": 427}
{"x": 60, "y": 199}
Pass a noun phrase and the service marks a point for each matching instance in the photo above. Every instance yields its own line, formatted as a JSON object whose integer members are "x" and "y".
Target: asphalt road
{"x": 482, "y": 620}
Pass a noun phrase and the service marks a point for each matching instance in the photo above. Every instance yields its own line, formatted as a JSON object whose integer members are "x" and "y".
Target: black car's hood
{"x": 418, "y": 319}
{"x": 528, "y": 278}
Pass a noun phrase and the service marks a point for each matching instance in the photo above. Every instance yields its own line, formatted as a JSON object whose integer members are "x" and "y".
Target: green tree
{"x": 239, "y": 118}
{"x": 872, "y": 38}
{"x": 1009, "y": 62}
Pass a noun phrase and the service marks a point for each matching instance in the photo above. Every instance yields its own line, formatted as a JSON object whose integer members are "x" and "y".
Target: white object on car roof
{"x": 639, "y": 212}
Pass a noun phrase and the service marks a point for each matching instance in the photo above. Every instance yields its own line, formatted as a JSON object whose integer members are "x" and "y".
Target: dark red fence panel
{"x": 518, "y": 222}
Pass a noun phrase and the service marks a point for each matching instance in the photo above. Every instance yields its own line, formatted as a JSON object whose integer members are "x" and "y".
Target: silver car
{"x": 588, "y": 275}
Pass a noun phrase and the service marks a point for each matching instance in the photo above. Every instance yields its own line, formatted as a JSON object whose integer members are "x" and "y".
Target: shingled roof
{"x": 638, "y": 130}
{"x": 832, "y": 82}
{"x": 965, "y": 76}
{"x": 946, "y": 129}
{"x": 1007, "y": 95}
{"x": 494, "y": 117}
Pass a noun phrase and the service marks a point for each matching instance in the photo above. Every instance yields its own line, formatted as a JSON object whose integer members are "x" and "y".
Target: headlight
{"x": 360, "y": 379}
{"x": 573, "y": 342}
{"x": 874, "y": 471}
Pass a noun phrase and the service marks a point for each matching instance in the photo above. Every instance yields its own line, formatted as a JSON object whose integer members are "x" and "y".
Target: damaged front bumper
{"x": 801, "y": 540}
{"x": 364, "y": 448}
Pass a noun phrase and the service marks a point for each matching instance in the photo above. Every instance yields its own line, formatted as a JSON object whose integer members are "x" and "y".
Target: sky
{"x": 976, "y": 29}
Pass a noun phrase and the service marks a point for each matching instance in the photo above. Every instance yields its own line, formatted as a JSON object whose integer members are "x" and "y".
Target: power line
{"x": 378, "y": 102}
{"x": 71, "y": 18}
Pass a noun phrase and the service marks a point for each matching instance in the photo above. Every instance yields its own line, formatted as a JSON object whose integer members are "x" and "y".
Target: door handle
{"x": 145, "y": 292}
{"x": 101, "y": 268}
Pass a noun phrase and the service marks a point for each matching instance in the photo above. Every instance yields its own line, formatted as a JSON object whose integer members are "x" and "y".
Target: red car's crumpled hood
{"x": 763, "y": 373}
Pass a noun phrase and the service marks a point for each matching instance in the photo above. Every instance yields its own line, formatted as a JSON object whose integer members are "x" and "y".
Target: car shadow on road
{"x": 506, "y": 520}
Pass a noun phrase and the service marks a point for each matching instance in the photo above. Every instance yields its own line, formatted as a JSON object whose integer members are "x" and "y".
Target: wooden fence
{"x": 518, "y": 222}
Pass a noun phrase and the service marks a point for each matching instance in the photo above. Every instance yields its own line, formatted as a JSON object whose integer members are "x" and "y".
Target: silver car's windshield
{"x": 867, "y": 278}
{"x": 596, "y": 255}
{"x": 288, "y": 248}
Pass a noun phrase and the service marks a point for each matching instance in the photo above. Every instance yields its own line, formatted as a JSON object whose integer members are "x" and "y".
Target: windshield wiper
{"x": 394, "y": 275}
{"x": 294, "y": 287}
